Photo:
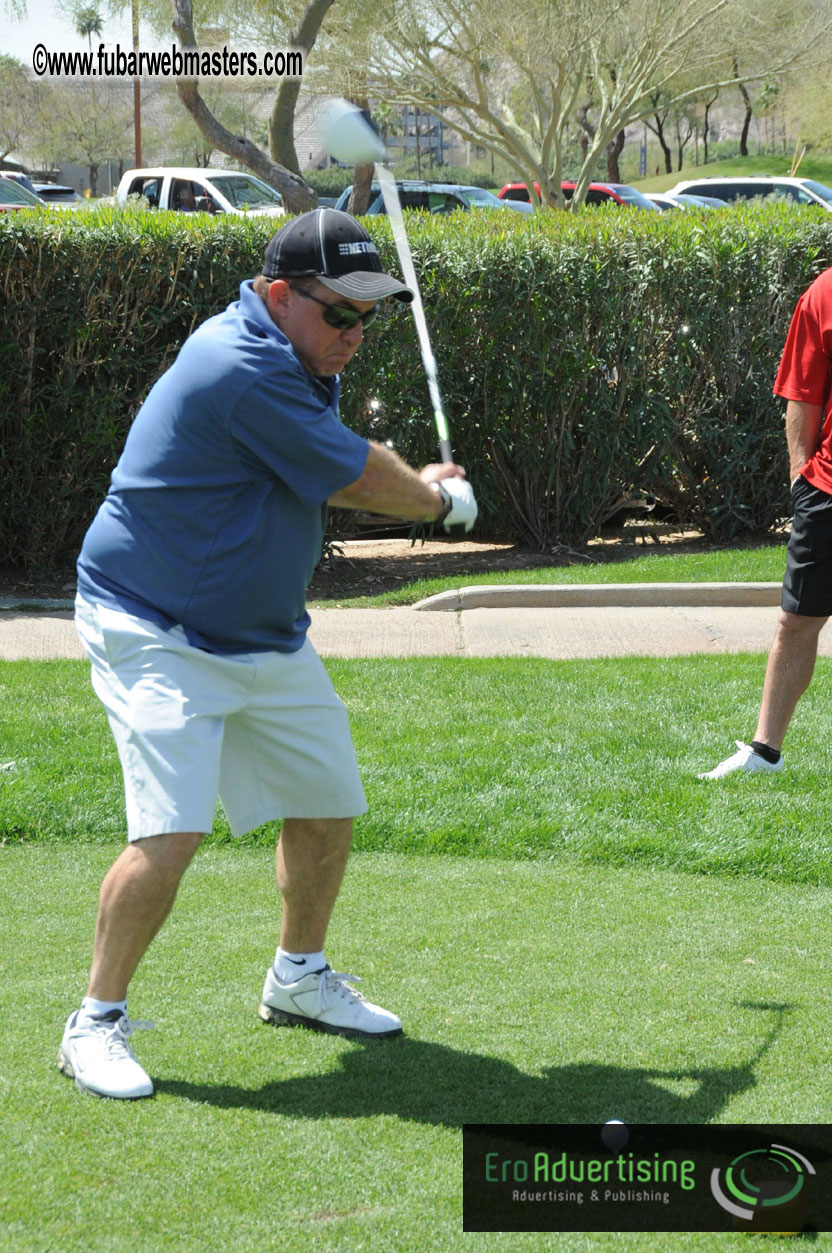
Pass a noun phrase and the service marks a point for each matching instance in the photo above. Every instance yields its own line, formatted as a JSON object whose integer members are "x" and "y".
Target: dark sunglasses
{"x": 342, "y": 317}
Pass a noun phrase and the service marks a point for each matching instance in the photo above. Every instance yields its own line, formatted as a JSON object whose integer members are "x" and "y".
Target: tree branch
{"x": 296, "y": 193}
{"x": 282, "y": 120}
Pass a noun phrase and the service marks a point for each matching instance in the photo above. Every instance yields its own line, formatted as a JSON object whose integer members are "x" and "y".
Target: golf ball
{"x": 348, "y": 135}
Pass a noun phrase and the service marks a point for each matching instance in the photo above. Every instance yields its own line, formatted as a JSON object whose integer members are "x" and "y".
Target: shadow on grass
{"x": 420, "y": 1081}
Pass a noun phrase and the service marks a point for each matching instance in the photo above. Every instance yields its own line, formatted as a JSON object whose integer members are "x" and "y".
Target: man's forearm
{"x": 388, "y": 485}
{"x": 803, "y": 429}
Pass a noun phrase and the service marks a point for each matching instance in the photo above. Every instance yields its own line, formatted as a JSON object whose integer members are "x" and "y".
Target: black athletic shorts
{"x": 807, "y": 586}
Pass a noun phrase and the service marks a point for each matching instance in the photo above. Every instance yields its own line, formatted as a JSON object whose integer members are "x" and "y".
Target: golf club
{"x": 349, "y": 137}
{"x": 393, "y": 205}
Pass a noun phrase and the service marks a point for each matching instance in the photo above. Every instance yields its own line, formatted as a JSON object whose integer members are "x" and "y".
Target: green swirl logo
{"x": 756, "y": 1185}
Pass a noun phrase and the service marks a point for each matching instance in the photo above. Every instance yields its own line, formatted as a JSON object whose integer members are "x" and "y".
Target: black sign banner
{"x": 647, "y": 1177}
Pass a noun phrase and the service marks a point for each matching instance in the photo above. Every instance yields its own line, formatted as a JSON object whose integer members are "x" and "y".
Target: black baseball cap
{"x": 334, "y": 248}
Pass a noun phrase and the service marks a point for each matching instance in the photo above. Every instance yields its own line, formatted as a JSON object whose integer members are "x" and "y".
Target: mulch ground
{"x": 367, "y": 567}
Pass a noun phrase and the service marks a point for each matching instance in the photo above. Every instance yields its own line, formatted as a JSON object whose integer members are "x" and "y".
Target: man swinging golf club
{"x": 191, "y": 606}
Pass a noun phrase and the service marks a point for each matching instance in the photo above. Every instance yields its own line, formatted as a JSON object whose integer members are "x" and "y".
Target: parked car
{"x": 59, "y": 196}
{"x": 14, "y": 196}
{"x": 414, "y": 194}
{"x": 435, "y": 197}
{"x": 521, "y": 206}
{"x": 597, "y": 193}
{"x": 710, "y": 202}
{"x": 18, "y": 176}
{"x": 663, "y": 200}
{"x": 481, "y": 198}
{"x": 803, "y": 190}
{"x": 187, "y": 189}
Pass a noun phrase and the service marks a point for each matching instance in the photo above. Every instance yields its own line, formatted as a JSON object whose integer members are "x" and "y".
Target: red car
{"x": 597, "y": 193}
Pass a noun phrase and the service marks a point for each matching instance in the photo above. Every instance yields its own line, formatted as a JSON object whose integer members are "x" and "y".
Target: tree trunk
{"x": 282, "y": 126}
{"x": 681, "y": 143}
{"x": 360, "y": 194}
{"x": 614, "y": 149}
{"x": 587, "y": 129}
{"x": 658, "y": 131}
{"x": 707, "y": 129}
{"x": 297, "y": 195}
{"x": 665, "y": 147}
{"x": 282, "y": 120}
{"x": 746, "y": 126}
{"x": 362, "y": 174}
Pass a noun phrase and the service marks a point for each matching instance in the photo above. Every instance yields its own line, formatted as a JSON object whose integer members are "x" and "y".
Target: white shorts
{"x": 264, "y": 731}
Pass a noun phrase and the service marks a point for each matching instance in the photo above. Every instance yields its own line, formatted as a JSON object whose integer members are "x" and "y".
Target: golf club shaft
{"x": 393, "y": 206}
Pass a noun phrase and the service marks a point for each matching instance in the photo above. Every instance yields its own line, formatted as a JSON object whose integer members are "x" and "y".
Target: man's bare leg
{"x": 135, "y": 899}
{"x": 310, "y": 861}
{"x": 791, "y": 663}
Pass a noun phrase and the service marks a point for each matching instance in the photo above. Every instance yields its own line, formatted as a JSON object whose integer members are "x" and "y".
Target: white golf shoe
{"x": 324, "y": 1001}
{"x": 95, "y": 1053}
{"x": 745, "y": 759}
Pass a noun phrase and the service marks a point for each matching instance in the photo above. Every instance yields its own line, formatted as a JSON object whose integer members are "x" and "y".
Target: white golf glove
{"x": 463, "y": 510}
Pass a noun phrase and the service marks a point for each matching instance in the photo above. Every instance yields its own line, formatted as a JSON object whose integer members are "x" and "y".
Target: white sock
{"x": 290, "y": 967}
{"x": 91, "y": 1008}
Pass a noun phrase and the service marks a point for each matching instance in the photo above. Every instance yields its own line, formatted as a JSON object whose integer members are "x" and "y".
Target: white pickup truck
{"x": 189, "y": 189}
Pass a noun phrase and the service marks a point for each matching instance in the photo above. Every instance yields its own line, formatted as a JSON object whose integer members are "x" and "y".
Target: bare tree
{"x": 18, "y": 105}
{"x": 511, "y": 78}
{"x": 709, "y": 101}
{"x": 657, "y": 124}
{"x": 685, "y": 126}
{"x": 749, "y": 109}
{"x": 615, "y": 146}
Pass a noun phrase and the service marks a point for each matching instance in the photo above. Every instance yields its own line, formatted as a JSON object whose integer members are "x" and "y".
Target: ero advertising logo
{"x": 647, "y": 1177}
{"x": 765, "y": 1187}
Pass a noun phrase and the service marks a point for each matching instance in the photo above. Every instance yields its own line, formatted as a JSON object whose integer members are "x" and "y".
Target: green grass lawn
{"x": 530, "y": 992}
{"x": 571, "y": 925}
{"x": 817, "y": 166}
{"x": 725, "y": 565}
{"x": 595, "y": 761}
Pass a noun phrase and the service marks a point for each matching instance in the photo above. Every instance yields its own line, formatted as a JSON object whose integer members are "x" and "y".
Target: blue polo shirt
{"x": 216, "y": 511}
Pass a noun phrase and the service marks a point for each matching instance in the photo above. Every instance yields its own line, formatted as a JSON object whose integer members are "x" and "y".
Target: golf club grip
{"x": 445, "y": 453}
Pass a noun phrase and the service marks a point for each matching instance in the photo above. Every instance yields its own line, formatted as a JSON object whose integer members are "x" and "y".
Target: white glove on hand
{"x": 463, "y": 511}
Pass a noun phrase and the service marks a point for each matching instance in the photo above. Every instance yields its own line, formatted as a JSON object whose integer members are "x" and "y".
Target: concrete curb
{"x": 542, "y": 596}
{"x": 592, "y": 595}
{"x": 33, "y": 604}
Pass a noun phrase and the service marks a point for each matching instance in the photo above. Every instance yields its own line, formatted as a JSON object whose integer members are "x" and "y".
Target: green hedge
{"x": 584, "y": 358}
{"x": 95, "y": 306}
{"x": 581, "y": 357}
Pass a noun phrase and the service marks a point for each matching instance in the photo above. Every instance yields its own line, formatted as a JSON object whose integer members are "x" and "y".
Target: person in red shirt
{"x": 804, "y": 381}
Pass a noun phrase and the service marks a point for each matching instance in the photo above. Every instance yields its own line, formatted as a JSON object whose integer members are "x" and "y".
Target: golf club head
{"x": 349, "y": 135}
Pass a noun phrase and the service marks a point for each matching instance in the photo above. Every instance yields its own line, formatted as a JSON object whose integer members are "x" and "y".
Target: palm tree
{"x": 88, "y": 22}
{"x": 387, "y": 118}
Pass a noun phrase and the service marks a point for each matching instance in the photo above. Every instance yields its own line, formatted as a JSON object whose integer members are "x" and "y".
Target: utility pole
{"x": 137, "y": 90}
